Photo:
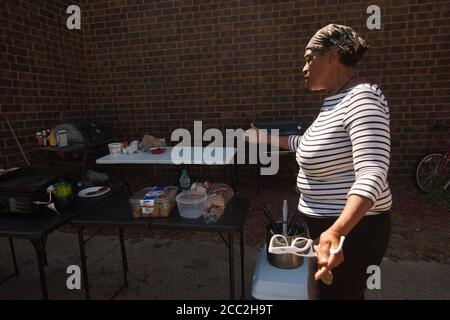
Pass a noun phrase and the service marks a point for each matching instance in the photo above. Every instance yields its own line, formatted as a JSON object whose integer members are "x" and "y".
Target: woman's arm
{"x": 282, "y": 142}
{"x": 354, "y": 210}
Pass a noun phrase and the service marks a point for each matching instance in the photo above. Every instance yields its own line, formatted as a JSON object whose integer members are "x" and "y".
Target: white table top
{"x": 176, "y": 155}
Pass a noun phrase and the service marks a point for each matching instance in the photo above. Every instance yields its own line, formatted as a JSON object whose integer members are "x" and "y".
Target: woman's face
{"x": 316, "y": 70}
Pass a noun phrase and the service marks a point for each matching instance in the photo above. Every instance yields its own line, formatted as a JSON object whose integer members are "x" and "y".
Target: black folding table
{"x": 36, "y": 227}
{"x": 116, "y": 213}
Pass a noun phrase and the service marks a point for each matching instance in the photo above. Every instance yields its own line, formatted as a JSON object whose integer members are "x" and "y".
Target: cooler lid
{"x": 272, "y": 283}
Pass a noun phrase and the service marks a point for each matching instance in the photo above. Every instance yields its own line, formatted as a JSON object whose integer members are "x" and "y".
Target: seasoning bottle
{"x": 39, "y": 139}
{"x": 44, "y": 138}
{"x": 62, "y": 138}
{"x": 52, "y": 139}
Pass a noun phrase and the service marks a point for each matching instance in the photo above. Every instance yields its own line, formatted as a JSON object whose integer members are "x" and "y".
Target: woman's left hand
{"x": 329, "y": 239}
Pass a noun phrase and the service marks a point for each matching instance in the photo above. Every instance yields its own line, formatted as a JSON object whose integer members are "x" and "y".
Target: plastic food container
{"x": 191, "y": 204}
{"x": 115, "y": 148}
{"x": 164, "y": 203}
{"x": 161, "y": 206}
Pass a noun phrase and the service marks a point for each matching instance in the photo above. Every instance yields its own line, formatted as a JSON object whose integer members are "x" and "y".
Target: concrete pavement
{"x": 175, "y": 269}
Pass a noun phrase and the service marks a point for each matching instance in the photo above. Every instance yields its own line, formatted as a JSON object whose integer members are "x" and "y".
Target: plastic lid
{"x": 191, "y": 197}
{"x": 139, "y": 195}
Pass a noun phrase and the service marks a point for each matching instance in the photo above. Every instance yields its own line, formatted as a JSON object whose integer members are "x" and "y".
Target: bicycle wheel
{"x": 432, "y": 173}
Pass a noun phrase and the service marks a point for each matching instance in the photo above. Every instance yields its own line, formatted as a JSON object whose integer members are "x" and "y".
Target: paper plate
{"x": 93, "y": 192}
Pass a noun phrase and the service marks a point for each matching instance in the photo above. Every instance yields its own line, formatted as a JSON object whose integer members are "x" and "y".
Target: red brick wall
{"x": 154, "y": 66}
{"x": 41, "y": 72}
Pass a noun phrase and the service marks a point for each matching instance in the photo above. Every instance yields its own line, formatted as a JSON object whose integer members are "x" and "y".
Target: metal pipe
{"x": 17, "y": 140}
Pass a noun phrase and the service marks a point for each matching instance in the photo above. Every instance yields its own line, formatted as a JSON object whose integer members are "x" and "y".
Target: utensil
{"x": 285, "y": 217}
{"x": 302, "y": 247}
{"x": 268, "y": 215}
{"x": 283, "y": 261}
{"x": 293, "y": 222}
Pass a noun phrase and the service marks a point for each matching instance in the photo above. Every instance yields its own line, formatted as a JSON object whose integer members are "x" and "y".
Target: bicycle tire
{"x": 427, "y": 177}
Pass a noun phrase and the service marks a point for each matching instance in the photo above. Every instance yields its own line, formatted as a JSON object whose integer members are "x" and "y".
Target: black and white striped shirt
{"x": 345, "y": 151}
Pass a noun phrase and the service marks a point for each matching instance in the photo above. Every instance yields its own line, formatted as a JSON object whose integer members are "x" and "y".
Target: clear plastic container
{"x": 191, "y": 204}
{"x": 164, "y": 203}
{"x": 162, "y": 206}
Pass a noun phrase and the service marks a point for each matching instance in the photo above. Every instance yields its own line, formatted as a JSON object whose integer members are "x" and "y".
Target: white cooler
{"x": 272, "y": 283}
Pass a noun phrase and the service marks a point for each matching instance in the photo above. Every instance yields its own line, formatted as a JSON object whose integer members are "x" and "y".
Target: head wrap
{"x": 344, "y": 38}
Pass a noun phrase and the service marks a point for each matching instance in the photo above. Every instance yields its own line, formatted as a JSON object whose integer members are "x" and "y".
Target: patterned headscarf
{"x": 344, "y": 38}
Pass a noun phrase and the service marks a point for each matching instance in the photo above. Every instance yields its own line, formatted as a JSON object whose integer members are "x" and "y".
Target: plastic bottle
{"x": 44, "y": 138}
{"x": 39, "y": 139}
{"x": 52, "y": 139}
{"x": 185, "y": 181}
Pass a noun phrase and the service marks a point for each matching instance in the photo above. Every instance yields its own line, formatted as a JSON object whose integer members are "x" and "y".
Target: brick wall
{"x": 154, "y": 66}
{"x": 41, "y": 74}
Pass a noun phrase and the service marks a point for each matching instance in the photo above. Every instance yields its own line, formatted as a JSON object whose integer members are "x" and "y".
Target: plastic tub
{"x": 115, "y": 148}
{"x": 163, "y": 204}
{"x": 191, "y": 204}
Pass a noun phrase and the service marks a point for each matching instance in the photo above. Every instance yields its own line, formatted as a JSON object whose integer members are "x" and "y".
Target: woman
{"x": 344, "y": 160}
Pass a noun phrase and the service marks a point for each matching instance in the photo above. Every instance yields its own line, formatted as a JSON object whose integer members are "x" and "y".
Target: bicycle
{"x": 433, "y": 170}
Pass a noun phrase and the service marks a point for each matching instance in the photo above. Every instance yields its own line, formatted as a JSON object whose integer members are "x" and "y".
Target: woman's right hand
{"x": 254, "y": 135}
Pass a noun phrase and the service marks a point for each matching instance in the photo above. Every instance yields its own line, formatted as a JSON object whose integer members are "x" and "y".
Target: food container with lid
{"x": 191, "y": 204}
{"x": 153, "y": 202}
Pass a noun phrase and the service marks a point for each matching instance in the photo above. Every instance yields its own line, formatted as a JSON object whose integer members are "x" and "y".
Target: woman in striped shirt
{"x": 343, "y": 162}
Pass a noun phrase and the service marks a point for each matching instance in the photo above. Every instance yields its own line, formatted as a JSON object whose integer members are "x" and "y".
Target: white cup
{"x": 115, "y": 149}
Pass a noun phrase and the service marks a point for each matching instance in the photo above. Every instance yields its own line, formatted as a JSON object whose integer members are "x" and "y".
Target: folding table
{"x": 177, "y": 156}
{"x": 35, "y": 227}
{"x": 116, "y": 213}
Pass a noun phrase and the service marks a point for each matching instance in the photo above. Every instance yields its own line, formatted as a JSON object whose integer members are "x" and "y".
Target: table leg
{"x": 124, "y": 256}
{"x": 231, "y": 260}
{"x": 124, "y": 264}
{"x": 44, "y": 252}
{"x": 124, "y": 178}
{"x": 83, "y": 262}
{"x": 13, "y": 253}
{"x": 242, "y": 265}
{"x": 37, "y": 244}
{"x": 84, "y": 165}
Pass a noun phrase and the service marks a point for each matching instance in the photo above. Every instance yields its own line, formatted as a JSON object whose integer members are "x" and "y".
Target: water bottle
{"x": 185, "y": 181}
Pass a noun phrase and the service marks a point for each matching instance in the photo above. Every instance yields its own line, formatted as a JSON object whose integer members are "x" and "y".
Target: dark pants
{"x": 365, "y": 245}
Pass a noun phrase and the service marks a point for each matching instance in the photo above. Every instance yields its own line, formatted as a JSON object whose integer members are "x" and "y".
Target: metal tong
{"x": 268, "y": 215}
